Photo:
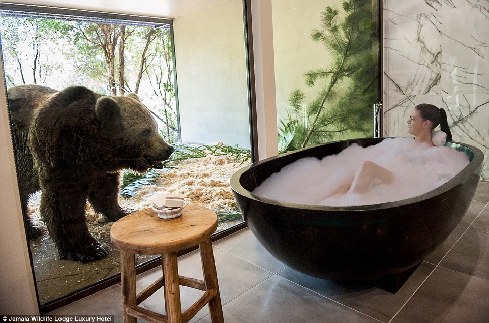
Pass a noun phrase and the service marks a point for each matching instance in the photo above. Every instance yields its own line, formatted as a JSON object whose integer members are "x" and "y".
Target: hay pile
{"x": 204, "y": 181}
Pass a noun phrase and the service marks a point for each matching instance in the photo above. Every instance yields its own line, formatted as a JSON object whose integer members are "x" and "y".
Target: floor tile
{"x": 482, "y": 192}
{"x": 448, "y": 296}
{"x": 474, "y": 210}
{"x": 105, "y": 302}
{"x": 364, "y": 297}
{"x": 482, "y": 221}
{"x": 279, "y": 300}
{"x": 244, "y": 245}
{"x": 437, "y": 255}
{"x": 235, "y": 277}
{"x": 470, "y": 254}
{"x": 232, "y": 240}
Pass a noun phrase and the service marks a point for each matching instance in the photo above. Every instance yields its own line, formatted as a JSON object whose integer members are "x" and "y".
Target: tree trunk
{"x": 34, "y": 67}
{"x": 20, "y": 69}
{"x": 109, "y": 43}
{"x": 111, "y": 65}
{"x": 122, "y": 40}
{"x": 35, "y": 48}
{"x": 142, "y": 66}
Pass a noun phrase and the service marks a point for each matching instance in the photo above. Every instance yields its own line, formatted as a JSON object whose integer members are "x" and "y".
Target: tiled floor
{"x": 451, "y": 285}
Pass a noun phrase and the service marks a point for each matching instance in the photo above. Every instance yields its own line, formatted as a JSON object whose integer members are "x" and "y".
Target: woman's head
{"x": 419, "y": 125}
{"x": 429, "y": 112}
{"x": 426, "y": 118}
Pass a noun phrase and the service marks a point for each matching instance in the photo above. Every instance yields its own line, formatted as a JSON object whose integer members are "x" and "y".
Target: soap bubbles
{"x": 417, "y": 168}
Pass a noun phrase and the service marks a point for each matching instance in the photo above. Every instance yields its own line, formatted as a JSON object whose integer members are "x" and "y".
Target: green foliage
{"x": 130, "y": 177}
{"x": 132, "y": 182}
{"x": 346, "y": 89}
{"x": 28, "y": 45}
{"x": 290, "y": 133}
{"x": 106, "y": 57}
{"x": 225, "y": 216}
{"x": 188, "y": 151}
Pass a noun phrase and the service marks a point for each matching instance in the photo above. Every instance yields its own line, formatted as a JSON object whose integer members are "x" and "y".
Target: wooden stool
{"x": 143, "y": 232}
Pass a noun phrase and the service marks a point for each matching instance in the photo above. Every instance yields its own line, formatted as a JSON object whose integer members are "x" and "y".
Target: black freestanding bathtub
{"x": 357, "y": 242}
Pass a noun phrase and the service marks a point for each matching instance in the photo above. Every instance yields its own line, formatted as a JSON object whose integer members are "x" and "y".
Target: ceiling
{"x": 158, "y": 8}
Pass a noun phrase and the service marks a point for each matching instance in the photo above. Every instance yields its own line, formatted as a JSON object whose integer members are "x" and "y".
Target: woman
{"x": 391, "y": 170}
{"x": 424, "y": 120}
{"x": 421, "y": 123}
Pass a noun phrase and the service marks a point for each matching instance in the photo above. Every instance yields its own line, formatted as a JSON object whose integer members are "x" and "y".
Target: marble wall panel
{"x": 437, "y": 51}
{"x": 465, "y": 43}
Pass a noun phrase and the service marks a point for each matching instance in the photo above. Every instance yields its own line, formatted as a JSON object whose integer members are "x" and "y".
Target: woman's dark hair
{"x": 436, "y": 115}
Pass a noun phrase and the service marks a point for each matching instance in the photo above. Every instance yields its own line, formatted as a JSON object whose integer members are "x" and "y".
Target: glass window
{"x": 326, "y": 70}
{"x": 81, "y": 165}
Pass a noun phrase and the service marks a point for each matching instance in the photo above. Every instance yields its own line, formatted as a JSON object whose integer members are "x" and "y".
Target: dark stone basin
{"x": 355, "y": 242}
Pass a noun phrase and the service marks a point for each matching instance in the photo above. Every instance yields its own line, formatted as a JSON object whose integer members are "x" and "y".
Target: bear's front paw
{"x": 116, "y": 215}
{"x": 87, "y": 253}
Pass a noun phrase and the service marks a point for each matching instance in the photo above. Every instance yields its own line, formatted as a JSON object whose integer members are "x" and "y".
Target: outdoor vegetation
{"x": 346, "y": 89}
{"x": 111, "y": 59}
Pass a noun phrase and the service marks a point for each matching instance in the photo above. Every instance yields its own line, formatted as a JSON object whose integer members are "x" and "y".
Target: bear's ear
{"x": 133, "y": 96}
{"x": 109, "y": 114}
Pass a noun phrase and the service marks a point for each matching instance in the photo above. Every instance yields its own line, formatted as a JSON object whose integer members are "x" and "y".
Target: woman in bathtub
{"x": 391, "y": 170}
{"x": 421, "y": 124}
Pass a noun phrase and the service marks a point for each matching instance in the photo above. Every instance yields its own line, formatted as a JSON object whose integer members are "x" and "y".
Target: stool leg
{"x": 210, "y": 278}
{"x": 172, "y": 288}
{"x": 128, "y": 282}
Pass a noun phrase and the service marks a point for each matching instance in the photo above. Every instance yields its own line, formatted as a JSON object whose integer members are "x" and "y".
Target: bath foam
{"x": 417, "y": 168}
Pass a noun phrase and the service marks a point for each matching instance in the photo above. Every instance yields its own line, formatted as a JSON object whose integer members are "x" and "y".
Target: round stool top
{"x": 143, "y": 232}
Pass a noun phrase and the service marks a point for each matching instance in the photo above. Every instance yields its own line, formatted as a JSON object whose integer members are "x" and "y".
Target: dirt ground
{"x": 202, "y": 180}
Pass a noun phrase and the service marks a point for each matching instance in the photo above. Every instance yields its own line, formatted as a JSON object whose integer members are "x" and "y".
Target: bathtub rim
{"x": 474, "y": 166}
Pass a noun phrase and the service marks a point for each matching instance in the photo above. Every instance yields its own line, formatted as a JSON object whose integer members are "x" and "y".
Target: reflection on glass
{"x": 136, "y": 64}
{"x": 326, "y": 69}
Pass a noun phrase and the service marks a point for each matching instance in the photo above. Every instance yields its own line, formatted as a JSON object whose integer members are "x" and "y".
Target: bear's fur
{"x": 71, "y": 145}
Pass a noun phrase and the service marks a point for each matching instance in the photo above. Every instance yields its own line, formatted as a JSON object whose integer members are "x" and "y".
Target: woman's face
{"x": 416, "y": 124}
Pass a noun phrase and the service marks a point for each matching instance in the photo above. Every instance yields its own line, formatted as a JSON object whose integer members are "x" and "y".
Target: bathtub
{"x": 383, "y": 242}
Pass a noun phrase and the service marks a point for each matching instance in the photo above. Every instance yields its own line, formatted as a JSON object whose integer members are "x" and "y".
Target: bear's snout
{"x": 167, "y": 152}
{"x": 170, "y": 151}
{"x": 156, "y": 160}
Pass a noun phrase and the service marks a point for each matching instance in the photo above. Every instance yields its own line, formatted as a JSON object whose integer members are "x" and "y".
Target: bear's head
{"x": 128, "y": 124}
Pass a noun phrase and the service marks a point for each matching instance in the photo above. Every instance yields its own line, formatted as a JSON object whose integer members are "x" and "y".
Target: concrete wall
{"x": 17, "y": 291}
{"x": 212, "y": 77}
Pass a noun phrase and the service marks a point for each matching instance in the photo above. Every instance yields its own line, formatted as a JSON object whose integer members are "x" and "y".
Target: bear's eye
{"x": 145, "y": 133}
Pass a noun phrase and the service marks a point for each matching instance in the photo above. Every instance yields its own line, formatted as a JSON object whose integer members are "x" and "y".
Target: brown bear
{"x": 71, "y": 145}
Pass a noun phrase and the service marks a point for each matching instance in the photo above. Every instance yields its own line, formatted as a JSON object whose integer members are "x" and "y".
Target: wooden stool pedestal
{"x": 144, "y": 233}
